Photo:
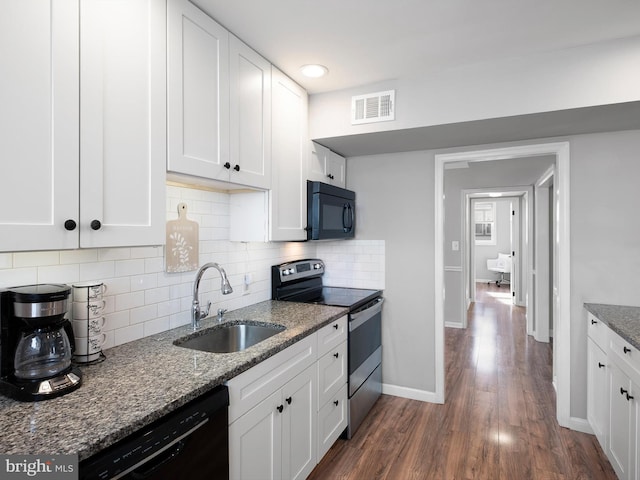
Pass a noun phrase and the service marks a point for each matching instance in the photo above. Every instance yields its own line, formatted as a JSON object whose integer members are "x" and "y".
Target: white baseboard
{"x": 486, "y": 280}
{"x": 453, "y": 325}
{"x": 580, "y": 425}
{"x": 411, "y": 393}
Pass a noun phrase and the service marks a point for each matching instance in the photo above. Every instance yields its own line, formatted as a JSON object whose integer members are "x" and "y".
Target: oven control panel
{"x": 300, "y": 269}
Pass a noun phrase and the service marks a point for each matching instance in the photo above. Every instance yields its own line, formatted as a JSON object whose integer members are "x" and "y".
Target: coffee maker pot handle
{"x": 68, "y": 328}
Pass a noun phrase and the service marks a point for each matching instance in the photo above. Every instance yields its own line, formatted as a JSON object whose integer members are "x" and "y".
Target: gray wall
{"x": 396, "y": 203}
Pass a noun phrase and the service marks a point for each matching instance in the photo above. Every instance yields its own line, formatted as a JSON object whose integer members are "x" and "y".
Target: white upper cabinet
{"x": 83, "y": 122}
{"x": 39, "y": 123}
{"x": 250, "y": 116}
{"x": 327, "y": 166}
{"x": 123, "y": 122}
{"x": 198, "y": 93}
{"x": 289, "y": 124}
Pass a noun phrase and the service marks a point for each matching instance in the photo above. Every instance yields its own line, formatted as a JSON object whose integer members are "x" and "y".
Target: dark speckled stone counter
{"x": 625, "y": 321}
{"x": 143, "y": 380}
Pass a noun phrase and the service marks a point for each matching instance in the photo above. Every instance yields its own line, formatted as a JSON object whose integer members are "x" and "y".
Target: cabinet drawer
{"x": 626, "y": 356}
{"x": 332, "y": 335}
{"x": 332, "y": 372}
{"x": 597, "y": 331}
{"x": 250, "y": 387}
{"x": 332, "y": 420}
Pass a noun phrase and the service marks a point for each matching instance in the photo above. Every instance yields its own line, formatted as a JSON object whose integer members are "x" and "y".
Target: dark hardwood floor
{"x": 498, "y": 421}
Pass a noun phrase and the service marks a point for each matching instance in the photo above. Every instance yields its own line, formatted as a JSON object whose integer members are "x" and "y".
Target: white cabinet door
{"x": 255, "y": 442}
{"x": 39, "y": 123}
{"x": 597, "y": 392}
{"x": 326, "y": 166}
{"x": 250, "y": 116}
{"x": 299, "y": 420}
{"x": 198, "y": 92}
{"x": 288, "y": 196}
{"x": 123, "y": 129}
{"x": 621, "y": 422}
{"x": 336, "y": 169}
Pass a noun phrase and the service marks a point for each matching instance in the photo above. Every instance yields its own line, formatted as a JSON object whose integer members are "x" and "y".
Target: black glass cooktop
{"x": 344, "y": 297}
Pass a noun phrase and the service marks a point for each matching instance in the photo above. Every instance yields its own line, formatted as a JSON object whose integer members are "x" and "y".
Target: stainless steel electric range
{"x": 301, "y": 281}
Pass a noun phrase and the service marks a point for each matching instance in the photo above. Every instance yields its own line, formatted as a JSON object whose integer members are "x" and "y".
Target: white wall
{"x": 143, "y": 300}
{"x": 396, "y": 197}
{"x": 599, "y": 74}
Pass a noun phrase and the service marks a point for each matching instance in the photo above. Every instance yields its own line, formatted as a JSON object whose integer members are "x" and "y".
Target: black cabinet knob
{"x": 335, "y": 326}
{"x": 280, "y": 408}
{"x": 593, "y": 322}
{"x": 237, "y": 168}
{"x": 331, "y": 177}
{"x": 227, "y": 165}
{"x": 335, "y": 402}
{"x": 626, "y": 350}
{"x": 335, "y": 354}
{"x": 623, "y": 391}
{"x": 95, "y": 225}
{"x": 288, "y": 400}
{"x": 70, "y": 225}
{"x": 629, "y": 397}
{"x": 600, "y": 365}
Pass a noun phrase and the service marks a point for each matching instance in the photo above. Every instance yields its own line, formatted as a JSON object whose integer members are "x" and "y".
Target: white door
{"x": 250, "y": 116}
{"x": 514, "y": 229}
{"x": 123, "y": 126}
{"x": 288, "y": 196}
{"x": 255, "y": 442}
{"x": 39, "y": 122}
{"x": 299, "y": 431}
{"x": 198, "y": 92}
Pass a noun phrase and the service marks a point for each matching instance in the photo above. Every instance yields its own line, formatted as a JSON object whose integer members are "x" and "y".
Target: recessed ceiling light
{"x": 314, "y": 71}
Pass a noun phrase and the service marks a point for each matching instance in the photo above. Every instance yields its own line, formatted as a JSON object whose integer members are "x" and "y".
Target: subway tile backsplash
{"x": 142, "y": 299}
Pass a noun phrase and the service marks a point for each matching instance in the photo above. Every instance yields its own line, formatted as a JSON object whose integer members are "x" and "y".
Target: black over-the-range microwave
{"x": 331, "y": 212}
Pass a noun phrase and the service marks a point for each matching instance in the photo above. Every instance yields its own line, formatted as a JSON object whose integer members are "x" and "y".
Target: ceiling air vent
{"x": 373, "y": 107}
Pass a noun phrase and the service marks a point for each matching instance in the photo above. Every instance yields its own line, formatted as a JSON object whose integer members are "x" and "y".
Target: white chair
{"x": 501, "y": 265}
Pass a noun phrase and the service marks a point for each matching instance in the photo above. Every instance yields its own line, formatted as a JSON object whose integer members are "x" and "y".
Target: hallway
{"x": 498, "y": 421}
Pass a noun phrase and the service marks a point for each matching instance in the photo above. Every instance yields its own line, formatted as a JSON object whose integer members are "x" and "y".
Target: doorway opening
{"x": 560, "y": 267}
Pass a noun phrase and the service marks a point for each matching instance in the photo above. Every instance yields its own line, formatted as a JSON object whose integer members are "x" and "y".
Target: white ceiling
{"x": 366, "y": 41}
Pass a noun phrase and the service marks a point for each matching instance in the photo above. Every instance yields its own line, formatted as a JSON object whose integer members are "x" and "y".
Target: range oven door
{"x": 365, "y": 343}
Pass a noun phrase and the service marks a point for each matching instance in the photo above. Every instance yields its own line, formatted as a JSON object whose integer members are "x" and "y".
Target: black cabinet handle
{"x": 335, "y": 402}
{"x": 600, "y": 365}
{"x": 288, "y": 400}
{"x": 623, "y": 391}
{"x": 237, "y": 168}
{"x": 227, "y": 165}
{"x": 335, "y": 326}
{"x": 335, "y": 354}
{"x": 95, "y": 225}
{"x": 629, "y": 397}
{"x": 330, "y": 176}
{"x": 70, "y": 225}
{"x": 626, "y": 350}
{"x": 280, "y": 408}
{"x": 593, "y": 322}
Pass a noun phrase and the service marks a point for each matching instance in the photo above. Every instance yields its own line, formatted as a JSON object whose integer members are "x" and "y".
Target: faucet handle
{"x": 206, "y": 310}
{"x": 222, "y": 311}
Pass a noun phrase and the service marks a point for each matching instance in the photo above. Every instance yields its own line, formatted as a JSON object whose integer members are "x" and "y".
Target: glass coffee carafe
{"x": 42, "y": 353}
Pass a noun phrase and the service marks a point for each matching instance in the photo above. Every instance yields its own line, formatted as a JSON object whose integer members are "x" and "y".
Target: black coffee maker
{"x": 36, "y": 343}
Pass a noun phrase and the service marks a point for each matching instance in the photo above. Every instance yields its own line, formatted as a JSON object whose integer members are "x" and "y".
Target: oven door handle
{"x": 362, "y": 316}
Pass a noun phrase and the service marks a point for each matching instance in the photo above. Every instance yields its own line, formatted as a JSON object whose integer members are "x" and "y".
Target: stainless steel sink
{"x": 230, "y": 337}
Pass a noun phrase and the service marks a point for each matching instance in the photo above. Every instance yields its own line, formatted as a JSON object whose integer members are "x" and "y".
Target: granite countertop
{"x": 143, "y": 380}
{"x": 623, "y": 320}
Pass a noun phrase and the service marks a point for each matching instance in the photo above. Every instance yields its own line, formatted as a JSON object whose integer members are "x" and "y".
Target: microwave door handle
{"x": 346, "y": 209}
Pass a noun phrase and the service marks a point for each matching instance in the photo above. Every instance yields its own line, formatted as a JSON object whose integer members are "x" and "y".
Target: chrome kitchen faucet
{"x": 225, "y": 288}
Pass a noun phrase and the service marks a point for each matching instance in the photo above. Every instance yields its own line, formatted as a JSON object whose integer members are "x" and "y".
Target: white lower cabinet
{"x": 277, "y": 428}
{"x": 613, "y": 390}
{"x": 276, "y": 439}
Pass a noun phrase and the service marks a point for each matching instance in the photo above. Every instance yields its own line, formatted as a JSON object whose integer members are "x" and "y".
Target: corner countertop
{"x": 623, "y": 320}
{"x": 144, "y": 380}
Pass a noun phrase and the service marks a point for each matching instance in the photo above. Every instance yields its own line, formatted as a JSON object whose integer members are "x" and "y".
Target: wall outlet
{"x": 455, "y": 245}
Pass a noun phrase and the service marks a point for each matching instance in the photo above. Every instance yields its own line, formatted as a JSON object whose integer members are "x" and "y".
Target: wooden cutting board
{"x": 181, "y": 248}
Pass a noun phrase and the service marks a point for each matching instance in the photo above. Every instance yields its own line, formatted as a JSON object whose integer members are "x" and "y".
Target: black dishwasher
{"x": 191, "y": 442}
